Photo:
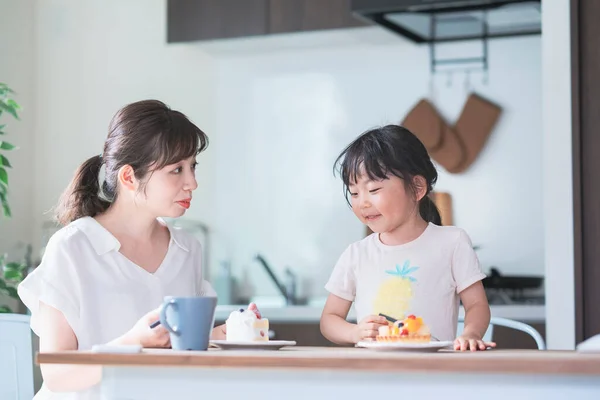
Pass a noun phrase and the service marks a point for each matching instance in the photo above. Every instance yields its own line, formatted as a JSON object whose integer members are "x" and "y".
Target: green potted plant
{"x": 11, "y": 273}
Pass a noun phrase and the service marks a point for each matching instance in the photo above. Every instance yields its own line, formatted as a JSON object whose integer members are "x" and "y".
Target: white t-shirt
{"x": 423, "y": 277}
{"x": 101, "y": 293}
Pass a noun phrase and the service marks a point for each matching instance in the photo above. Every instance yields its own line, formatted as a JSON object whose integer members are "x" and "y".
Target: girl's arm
{"x": 477, "y": 319}
{"x": 335, "y": 327}
{"x": 333, "y": 321}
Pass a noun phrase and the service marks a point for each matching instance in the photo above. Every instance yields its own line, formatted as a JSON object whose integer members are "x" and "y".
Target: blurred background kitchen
{"x": 280, "y": 87}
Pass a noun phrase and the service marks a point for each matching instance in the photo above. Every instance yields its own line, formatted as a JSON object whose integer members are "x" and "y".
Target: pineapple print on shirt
{"x": 395, "y": 293}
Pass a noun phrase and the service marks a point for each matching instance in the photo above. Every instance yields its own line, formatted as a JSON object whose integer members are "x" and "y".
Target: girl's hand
{"x": 368, "y": 328}
{"x": 141, "y": 333}
{"x": 471, "y": 342}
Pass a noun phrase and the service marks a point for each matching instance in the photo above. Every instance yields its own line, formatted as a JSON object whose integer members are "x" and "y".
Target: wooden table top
{"x": 332, "y": 358}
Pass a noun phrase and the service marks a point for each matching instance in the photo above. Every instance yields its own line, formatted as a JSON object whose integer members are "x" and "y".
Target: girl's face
{"x": 383, "y": 205}
{"x": 168, "y": 191}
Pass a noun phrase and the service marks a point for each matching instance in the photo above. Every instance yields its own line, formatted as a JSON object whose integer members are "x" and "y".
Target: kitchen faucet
{"x": 289, "y": 289}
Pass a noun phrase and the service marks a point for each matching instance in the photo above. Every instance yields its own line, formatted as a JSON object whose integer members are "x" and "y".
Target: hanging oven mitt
{"x": 440, "y": 140}
{"x": 476, "y": 122}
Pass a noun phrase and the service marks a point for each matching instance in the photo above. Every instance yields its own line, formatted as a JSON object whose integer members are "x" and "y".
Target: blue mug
{"x": 189, "y": 321}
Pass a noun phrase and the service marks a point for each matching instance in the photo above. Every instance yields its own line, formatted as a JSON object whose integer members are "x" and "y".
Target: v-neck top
{"x": 102, "y": 293}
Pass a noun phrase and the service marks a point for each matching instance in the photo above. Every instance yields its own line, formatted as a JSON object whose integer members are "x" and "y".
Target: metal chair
{"x": 16, "y": 358}
{"x": 509, "y": 323}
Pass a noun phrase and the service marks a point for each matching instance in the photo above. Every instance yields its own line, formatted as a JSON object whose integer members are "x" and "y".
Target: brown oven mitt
{"x": 440, "y": 140}
{"x": 451, "y": 153}
{"x": 426, "y": 123}
{"x": 474, "y": 126}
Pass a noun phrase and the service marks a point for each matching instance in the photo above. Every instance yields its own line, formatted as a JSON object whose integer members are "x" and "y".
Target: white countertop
{"x": 308, "y": 314}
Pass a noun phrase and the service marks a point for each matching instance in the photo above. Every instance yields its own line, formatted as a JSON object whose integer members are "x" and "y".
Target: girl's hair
{"x": 147, "y": 135}
{"x": 391, "y": 149}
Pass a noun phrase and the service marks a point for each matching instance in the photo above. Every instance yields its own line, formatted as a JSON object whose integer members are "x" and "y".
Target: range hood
{"x": 429, "y": 21}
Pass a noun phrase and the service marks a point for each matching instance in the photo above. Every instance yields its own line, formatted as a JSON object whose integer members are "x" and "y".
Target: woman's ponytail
{"x": 429, "y": 211}
{"x": 82, "y": 196}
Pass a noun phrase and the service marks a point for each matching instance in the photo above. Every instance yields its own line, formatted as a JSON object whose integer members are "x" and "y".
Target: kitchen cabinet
{"x": 309, "y": 334}
{"x": 190, "y": 20}
{"x": 196, "y": 20}
{"x": 310, "y": 15}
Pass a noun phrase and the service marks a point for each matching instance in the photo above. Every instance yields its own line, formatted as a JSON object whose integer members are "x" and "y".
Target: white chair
{"x": 509, "y": 323}
{"x": 16, "y": 358}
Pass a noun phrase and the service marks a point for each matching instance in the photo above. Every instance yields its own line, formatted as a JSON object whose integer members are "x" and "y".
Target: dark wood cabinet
{"x": 191, "y": 20}
{"x": 196, "y": 20}
{"x": 309, "y": 334}
{"x": 310, "y": 15}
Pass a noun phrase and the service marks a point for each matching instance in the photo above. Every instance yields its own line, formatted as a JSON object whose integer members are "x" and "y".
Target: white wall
{"x": 278, "y": 110}
{"x": 93, "y": 58}
{"x": 558, "y": 175}
{"x": 17, "y": 60}
{"x": 287, "y": 108}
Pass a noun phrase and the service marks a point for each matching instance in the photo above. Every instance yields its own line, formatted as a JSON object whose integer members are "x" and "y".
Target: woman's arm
{"x": 57, "y": 335}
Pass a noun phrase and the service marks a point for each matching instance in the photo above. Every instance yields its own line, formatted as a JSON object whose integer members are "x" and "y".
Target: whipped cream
{"x": 245, "y": 326}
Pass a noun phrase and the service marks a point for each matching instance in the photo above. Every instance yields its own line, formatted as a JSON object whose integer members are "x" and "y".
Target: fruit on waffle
{"x": 246, "y": 326}
{"x": 412, "y": 329}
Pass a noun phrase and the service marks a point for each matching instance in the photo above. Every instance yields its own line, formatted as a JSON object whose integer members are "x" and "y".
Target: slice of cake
{"x": 412, "y": 329}
{"x": 246, "y": 326}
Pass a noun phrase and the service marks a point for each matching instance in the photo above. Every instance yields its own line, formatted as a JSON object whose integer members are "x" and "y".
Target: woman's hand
{"x": 471, "y": 342}
{"x": 141, "y": 333}
{"x": 368, "y": 328}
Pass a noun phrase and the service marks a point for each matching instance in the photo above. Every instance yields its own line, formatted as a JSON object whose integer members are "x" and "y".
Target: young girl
{"x": 410, "y": 264}
{"x": 104, "y": 274}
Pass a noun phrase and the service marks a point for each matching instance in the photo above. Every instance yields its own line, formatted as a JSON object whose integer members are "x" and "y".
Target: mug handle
{"x": 163, "y": 316}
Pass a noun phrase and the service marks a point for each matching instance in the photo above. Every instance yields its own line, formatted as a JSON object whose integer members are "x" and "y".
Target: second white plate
{"x": 399, "y": 346}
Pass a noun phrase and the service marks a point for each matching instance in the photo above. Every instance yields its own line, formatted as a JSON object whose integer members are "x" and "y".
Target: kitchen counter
{"x": 299, "y": 373}
{"x": 526, "y": 313}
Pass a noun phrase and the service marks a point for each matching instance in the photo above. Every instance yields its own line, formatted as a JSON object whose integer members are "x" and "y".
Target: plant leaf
{"x": 13, "y": 275}
{"x": 15, "y": 266}
{"x": 2, "y": 284}
{"x": 5, "y": 310}
{"x": 411, "y": 269}
{"x": 4, "y": 88}
{"x": 6, "y": 209}
{"x": 9, "y": 109}
{"x": 13, "y": 104}
{"x": 12, "y": 292}
{"x": 4, "y": 162}
{"x": 3, "y": 176}
{"x": 7, "y": 146}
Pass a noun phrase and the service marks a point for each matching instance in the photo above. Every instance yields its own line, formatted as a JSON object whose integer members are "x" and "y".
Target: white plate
{"x": 267, "y": 345}
{"x": 400, "y": 346}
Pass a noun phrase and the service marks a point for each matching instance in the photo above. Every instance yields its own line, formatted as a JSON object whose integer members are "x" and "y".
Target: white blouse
{"x": 101, "y": 293}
